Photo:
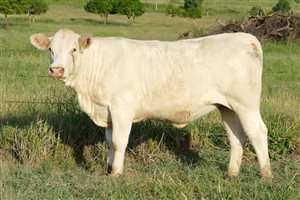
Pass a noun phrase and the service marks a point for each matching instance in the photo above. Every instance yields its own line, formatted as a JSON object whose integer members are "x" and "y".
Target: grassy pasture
{"x": 49, "y": 149}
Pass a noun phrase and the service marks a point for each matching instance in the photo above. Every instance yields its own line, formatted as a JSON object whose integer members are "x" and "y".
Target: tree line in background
{"x": 130, "y": 8}
{"x": 30, "y": 7}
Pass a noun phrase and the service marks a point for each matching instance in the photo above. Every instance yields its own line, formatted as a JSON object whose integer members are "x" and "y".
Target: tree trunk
{"x": 5, "y": 21}
{"x": 30, "y": 18}
{"x": 130, "y": 20}
{"x": 106, "y": 17}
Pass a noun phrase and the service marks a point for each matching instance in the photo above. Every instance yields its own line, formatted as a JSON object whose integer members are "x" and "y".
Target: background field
{"x": 49, "y": 149}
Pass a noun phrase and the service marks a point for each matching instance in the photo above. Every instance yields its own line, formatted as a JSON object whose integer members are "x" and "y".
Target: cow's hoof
{"x": 266, "y": 174}
{"x": 232, "y": 173}
{"x": 109, "y": 169}
{"x": 111, "y": 172}
{"x": 114, "y": 175}
{"x": 267, "y": 177}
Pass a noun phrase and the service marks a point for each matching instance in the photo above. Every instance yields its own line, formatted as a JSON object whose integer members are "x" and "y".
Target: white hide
{"x": 170, "y": 81}
{"x": 120, "y": 81}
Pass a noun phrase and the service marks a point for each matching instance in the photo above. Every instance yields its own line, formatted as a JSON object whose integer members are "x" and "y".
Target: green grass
{"x": 49, "y": 149}
{"x": 169, "y": 179}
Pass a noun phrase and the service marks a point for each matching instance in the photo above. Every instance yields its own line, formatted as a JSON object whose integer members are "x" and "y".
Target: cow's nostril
{"x": 56, "y": 71}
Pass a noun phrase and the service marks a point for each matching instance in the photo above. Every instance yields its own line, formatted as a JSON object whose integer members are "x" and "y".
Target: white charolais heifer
{"x": 120, "y": 81}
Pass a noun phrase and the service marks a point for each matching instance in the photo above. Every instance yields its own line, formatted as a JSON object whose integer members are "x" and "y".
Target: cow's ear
{"x": 84, "y": 42}
{"x": 40, "y": 41}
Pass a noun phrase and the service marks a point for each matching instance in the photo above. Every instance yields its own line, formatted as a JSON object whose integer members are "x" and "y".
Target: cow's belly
{"x": 179, "y": 117}
{"x": 180, "y": 105}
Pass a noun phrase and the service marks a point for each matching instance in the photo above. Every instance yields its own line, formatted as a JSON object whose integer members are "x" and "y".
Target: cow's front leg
{"x": 117, "y": 140}
{"x": 110, "y": 157}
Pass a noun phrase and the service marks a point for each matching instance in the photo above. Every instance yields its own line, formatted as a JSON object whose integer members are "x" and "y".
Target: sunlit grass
{"x": 49, "y": 149}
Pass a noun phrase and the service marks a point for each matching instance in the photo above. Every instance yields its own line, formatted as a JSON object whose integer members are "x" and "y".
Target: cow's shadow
{"x": 165, "y": 137}
{"x": 75, "y": 129}
{"x": 162, "y": 135}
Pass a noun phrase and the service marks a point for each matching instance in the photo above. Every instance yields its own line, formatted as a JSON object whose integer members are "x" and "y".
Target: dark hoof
{"x": 109, "y": 169}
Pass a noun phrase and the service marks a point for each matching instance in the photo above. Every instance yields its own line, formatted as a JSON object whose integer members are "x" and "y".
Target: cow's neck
{"x": 87, "y": 73}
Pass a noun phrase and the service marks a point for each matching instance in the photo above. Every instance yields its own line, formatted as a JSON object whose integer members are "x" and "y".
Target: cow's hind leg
{"x": 236, "y": 137}
{"x": 257, "y": 132}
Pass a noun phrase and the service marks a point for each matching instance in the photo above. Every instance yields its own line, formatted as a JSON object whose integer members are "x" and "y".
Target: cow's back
{"x": 200, "y": 74}
{"x": 174, "y": 81}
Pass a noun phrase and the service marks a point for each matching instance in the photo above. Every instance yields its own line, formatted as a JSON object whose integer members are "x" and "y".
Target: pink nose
{"x": 57, "y": 72}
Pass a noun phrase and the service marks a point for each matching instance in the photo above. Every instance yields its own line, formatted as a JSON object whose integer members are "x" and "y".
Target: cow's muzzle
{"x": 56, "y": 72}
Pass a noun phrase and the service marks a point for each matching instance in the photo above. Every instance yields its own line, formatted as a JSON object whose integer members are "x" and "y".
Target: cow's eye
{"x": 51, "y": 51}
{"x": 74, "y": 50}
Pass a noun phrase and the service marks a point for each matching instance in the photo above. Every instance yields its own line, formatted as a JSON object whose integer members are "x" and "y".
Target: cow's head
{"x": 64, "y": 48}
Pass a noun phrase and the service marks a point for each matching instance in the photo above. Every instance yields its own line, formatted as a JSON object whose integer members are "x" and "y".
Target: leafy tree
{"x": 191, "y": 9}
{"x": 35, "y": 7}
{"x": 282, "y": 6}
{"x": 101, "y": 7}
{"x": 193, "y": 12}
{"x": 9, "y": 7}
{"x": 188, "y": 4}
{"x": 130, "y": 8}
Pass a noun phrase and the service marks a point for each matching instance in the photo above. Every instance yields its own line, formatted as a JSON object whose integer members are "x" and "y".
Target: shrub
{"x": 173, "y": 11}
{"x": 191, "y": 9}
{"x": 193, "y": 12}
{"x": 282, "y": 6}
{"x": 188, "y": 4}
{"x": 253, "y": 11}
{"x": 257, "y": 11}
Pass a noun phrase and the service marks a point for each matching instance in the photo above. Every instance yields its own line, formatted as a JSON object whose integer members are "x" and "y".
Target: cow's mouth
{"x": 57, "y": 77}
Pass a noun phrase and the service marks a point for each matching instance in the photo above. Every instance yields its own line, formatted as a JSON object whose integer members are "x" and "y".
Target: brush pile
{"x": 275, "y": 26}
